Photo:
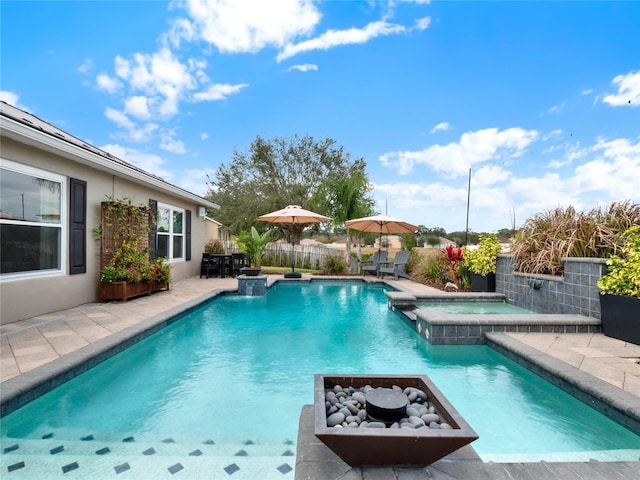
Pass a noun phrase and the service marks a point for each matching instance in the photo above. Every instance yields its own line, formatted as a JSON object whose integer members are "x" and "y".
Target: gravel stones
{"x": 347, "y": 407}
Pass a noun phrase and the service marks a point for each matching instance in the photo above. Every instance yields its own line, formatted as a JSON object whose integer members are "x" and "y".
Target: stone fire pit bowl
{"x": 390, "y": 446}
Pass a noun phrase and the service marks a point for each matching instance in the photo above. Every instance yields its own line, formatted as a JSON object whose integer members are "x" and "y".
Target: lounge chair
{"x": 372, "y": 263}
{"x": 395, "y": 267}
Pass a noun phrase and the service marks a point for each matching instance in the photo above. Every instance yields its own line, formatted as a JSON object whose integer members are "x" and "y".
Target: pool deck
{"x": 34, "y": 350}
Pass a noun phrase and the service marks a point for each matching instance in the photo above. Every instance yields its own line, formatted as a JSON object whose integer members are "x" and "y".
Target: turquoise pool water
{"x": 240, "y": 368}
{"x": 477, "y": 308}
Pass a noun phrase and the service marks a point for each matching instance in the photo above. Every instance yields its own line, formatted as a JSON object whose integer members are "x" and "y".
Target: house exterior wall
{"x": 28, "y": 296}
{"x": 575, "y": 292}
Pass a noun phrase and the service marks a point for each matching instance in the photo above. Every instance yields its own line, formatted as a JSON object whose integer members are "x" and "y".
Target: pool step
{"x": 41, "y": 459}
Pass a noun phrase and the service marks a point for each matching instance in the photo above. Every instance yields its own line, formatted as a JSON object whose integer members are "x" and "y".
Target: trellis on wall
{"x": 124, "y": 232}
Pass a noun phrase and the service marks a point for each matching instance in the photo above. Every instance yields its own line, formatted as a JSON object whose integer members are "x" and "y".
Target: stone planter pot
{"x": 483, "y": 283}
{"x": 620, "y": 317}
{"x": 390, "y": 446}
{"x": 123, "y": 290}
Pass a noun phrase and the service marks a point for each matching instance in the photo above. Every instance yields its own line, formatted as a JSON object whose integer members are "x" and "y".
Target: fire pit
{"x": 382, "y": 427}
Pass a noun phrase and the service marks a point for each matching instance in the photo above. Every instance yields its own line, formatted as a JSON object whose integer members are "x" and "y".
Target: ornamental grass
{"x": 548, "y": 237}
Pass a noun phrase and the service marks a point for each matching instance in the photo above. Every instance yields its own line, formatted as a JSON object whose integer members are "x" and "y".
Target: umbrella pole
{"x": 293, "y": 254}
{"x": 293, "y": 273}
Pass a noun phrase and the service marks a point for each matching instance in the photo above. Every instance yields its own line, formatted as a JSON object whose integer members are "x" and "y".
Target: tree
{"x": 273, "y": 174}
{"x": 344, "y": 197}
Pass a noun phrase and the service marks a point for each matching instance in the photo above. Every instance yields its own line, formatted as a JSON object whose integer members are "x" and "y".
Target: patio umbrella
{"x": 380, "y": 224}
{"x": 296, "y": 215}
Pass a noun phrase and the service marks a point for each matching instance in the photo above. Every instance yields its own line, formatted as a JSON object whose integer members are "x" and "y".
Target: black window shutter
{"x": 153, "y": 231}
{"x": 77, "y": 226}
{"x": 187, "y": 256}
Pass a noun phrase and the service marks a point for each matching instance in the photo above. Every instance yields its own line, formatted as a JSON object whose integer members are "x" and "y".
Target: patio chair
{"x": 395, "y": 267}
{"x": 210, "y": 265}
{"x": 372, "y": 263}
{"x": 238, "y": 261}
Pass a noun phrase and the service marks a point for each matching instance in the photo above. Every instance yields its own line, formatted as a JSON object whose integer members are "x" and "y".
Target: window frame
{"x": 171, "y": 234}
{"x": 62, "y": 226}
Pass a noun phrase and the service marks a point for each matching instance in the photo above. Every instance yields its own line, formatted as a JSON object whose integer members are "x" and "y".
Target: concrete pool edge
{"x": 608, "y": 399}
{"x": 18, "y": 391}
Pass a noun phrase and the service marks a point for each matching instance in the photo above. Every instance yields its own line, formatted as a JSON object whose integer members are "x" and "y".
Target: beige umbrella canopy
{"x": 293, "y": 214}
{"x": 380, "y": 224}
{"x": 296, "y": 215}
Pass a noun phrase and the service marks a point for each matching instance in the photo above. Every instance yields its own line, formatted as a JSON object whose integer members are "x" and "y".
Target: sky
{"x": 538, "y": 103}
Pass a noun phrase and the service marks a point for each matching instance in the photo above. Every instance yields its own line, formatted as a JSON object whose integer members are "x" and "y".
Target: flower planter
{"x": 483, "y": 283}
{"x": 620, "y": 317}
{"x": 390, "y": 446}
{"x": 123, "y": 290}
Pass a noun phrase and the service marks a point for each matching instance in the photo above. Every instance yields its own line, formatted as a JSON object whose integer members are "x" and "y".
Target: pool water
{"x": 239, "y": 369}
{"x": 475, "y": 308}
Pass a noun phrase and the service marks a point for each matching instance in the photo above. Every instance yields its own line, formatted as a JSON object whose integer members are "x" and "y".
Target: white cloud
{"x": 334, "y": 38}
{"x": 305, "y": 67}
{"x": 587, "y": 91}
{"x": 107, "y": 83}
{"x": 146, "y": 161}
{"x": 628, "y": 90}
{"x": 137, "y": 106}
{"x": 161, "y": 76}
{"x": 195, "y": 180}
{"x": 204, "y": 136}
{"x": 86, "y": 65}
{"x": 170, "y": 144}
{"x": 423, "y": 23}
{"x": 615, "y": 170}
{"x": 234, "y": 26}
{"x": 218, "y": 91}
{"x": 12, "y": 99}
{"x": 442, "y": 126}
{"x": 131, "y": 130}
{"x": 119, "y": 118}
{"x": 456, "y": 158}
{"x": 556, "y": 108}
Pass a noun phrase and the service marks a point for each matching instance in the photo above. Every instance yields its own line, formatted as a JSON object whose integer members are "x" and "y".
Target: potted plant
{"x": 481, "y": 263}
{"x": 255, "y": 245}
{"x": 158, "y": 273}
{"x": 620, "y": 291}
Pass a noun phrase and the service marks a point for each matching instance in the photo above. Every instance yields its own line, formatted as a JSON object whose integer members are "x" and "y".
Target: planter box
{"x": 123, "y": 290}
{"x": 388, "y": 446}
{"x": 483, "y": 283}
{"x": 157, "y": 286}
{"x": 620, "y": 317}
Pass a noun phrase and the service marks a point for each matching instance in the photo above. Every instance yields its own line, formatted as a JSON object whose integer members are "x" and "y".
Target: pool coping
{"x": 608, "y": 399}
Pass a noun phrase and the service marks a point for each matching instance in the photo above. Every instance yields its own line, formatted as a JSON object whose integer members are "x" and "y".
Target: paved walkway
{"x": 34, "y": 342}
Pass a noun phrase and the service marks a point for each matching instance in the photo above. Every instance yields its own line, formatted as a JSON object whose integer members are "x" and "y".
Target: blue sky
{"x": 541, "y": 100}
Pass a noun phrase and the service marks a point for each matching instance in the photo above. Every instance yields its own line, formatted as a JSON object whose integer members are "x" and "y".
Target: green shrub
{"x": 333, "y": 265}
{"x": 483, "y": 259}
{"x": 623, "y": 272}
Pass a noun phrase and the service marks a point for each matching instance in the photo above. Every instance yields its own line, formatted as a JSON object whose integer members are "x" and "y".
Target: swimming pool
{"x": 474, "y": 308}
{"x": 239, "y": 369}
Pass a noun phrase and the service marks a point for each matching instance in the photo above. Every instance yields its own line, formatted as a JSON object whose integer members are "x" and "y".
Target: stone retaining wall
{"x": 574, "y": 292}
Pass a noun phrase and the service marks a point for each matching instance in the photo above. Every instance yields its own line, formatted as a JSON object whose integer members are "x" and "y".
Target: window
{"x": 171, "y": 232}
{"x": 32, "y": 214}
